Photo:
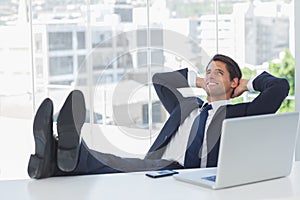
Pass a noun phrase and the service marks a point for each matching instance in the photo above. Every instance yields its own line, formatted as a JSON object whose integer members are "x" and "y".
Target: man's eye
{"x": 219, "y": 72}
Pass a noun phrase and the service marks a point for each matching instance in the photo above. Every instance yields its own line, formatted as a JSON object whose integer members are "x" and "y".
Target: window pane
{"x": 186, "y": 39}
{"x": 95, "y": 46}
{"x": 15, "y": 90}
{"x": 259, "y": 36}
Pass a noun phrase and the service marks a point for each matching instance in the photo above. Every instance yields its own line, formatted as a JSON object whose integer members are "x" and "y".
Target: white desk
{"x": 138, "y": 186}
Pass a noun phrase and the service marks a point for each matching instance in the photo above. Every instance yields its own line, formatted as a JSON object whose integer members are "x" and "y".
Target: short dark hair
{"x": 232, "y": 67}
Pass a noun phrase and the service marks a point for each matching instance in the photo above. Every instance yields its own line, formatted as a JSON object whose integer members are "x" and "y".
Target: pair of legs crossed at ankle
{"x": 67, "y": 155}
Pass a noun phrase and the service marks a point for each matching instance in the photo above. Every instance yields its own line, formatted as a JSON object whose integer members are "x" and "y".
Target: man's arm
{"x": 272, "y": 90}
{"x": 166, "y": 86}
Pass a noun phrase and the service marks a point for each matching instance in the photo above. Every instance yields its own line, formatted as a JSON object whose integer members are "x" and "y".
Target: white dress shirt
{"x": 176, "y": 148}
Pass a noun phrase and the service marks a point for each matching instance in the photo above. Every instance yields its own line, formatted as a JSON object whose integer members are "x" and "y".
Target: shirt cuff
{"x": 192, "y": 76}
{"x": 250, "y": 85}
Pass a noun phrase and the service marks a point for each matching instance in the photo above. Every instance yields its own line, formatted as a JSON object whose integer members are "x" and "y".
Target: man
{"x": 190, "y": 137}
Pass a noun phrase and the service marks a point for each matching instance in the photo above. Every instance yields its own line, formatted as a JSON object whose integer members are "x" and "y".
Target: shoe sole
{"x": 69, "y": 132}
{"x": 40, "y": 162}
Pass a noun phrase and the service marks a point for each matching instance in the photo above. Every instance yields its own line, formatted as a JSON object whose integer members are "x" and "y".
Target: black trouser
{"x": 93, "y": 162}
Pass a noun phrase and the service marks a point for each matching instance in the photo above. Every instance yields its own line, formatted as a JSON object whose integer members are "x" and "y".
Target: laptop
{"x": 252, "y": 149}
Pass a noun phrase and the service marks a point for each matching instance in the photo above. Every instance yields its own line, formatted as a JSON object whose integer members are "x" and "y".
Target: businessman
{"x": 190, "y": 137}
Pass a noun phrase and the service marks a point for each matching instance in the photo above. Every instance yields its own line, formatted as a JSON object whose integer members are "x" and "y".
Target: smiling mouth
{"x": 211, "y": 84}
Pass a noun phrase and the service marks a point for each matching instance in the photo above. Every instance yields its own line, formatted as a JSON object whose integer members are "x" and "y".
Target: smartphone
{"x": 161, "y": 173}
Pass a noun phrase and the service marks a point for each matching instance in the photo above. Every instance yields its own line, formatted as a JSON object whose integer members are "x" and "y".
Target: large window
{"x": 110, "y": 50}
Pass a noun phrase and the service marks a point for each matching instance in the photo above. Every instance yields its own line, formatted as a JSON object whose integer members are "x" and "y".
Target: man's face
{"x": 218, "y": 83}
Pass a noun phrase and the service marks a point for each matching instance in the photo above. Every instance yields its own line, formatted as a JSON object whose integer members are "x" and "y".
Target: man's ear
{"x": 234, "y": 83}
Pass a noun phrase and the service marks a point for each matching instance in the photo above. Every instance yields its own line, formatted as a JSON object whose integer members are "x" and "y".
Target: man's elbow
{"x": 285, "y": 84}
{"x": 283, "y": 87}
{"x": 157, "y": 79}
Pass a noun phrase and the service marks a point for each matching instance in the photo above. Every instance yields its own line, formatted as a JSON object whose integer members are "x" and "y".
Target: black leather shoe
{"x": 69, "y": 123}
{"x": 42, "y": 164}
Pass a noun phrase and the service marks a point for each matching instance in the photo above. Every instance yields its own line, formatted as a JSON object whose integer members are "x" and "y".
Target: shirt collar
{"x": 216, "y": 104}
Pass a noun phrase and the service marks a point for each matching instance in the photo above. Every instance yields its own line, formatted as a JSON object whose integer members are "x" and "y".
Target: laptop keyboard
{"x": 210, "y": 178}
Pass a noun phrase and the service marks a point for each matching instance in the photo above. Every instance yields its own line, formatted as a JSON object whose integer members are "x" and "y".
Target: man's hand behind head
{"x": 241, "y": 88}
{"x": 200, "y": 82}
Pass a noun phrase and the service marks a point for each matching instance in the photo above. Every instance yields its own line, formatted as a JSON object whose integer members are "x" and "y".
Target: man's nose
{"x": 210, "y": 76}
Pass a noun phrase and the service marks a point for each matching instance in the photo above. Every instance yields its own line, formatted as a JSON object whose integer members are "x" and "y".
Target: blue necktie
{"x": 192, "y": 157}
